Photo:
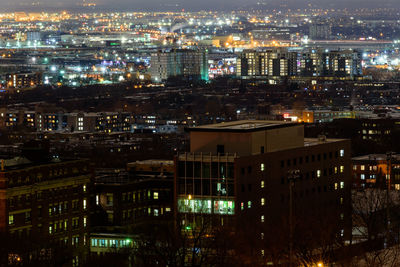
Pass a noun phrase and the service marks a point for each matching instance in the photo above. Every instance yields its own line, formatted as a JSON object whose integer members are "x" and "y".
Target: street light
{"x": 293, "y": 175}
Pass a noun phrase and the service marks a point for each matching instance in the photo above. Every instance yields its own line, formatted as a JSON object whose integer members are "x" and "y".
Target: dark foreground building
{"x": 273, "y": 183}
{"x": 44, "y": 210}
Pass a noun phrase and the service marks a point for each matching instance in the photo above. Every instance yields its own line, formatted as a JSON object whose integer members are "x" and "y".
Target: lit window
{"x": 50, "y": 229}
{"x": 262, "y": 236}
{"x": 341, "y": 153}
{"x": 336, "y": 186}
{"x": 262, "y": 201}
{"x": 362, "y": 176}
{"x": 362, "y": 167}
{"x": 155, "y": 212}
{"x": 341, "y": 200}
{"x": 262, "y": 252}
{"x": 84, "y": 204}
{"x": 242, "y": 206}
{"x": 318, "y": 173}
{"x": 341, "y": 169}
{"x": 11, "y": 219}
{"x": 84, "y": 221}
{"x": 155, "y": 195}
{"x": 336, "y": 170}
{"x": 342, "y": 216}
{"x": 355, "y": 167}
{"x": 397, "y": 186}
{"x": 97, "y": 200}
{"x": 262, "y": 167}
{"x": 262, "y": 184}
{"x": 249, "y": 204}
{"x": 341, "y": 185}
{"x": 84, "y": 188}
{"x": 262, "y": 218}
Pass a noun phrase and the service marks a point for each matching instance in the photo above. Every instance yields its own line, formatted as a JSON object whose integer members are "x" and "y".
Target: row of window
{"x": 12, "y": 218}
{"x": 60, "y": 192}
{"x": 111, "y": 243}
{"x": 62, "y": 225}
{"x": 44, "y": 176}
{"x": 363, "y": 167}
{"x": 128, "y": 214}
{"x": 138, "y": 196}
{"x": 301, "y": 194}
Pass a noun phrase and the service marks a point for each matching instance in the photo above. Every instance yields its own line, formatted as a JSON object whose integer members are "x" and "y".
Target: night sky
{"x": 196, "y": 4}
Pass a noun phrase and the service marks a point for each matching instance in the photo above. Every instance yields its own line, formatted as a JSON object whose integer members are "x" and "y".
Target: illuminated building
{"x": 252, "y": 64}
{"x": 373, "y": 170}
{"x": 190, "y": 64}
{"x": 44, "y": 202}
{"x": 23, "y": 80}
{"x": 321, "y": 116}
{"x": 326, "y": 63}
{"x": 240, "y": 170}
{"x": 129, "y": 201}
{"x": 281, "y": 63}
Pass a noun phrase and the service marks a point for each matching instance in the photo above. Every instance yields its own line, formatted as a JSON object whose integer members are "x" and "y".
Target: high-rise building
{"x": 282, "y": 63}
{"x": 320, "y": 31}
{"x": 240, "y": 171}
{"x": 187, "y": 63}
{"x": 326, "y": 63}
{"x": 266, "y": 63}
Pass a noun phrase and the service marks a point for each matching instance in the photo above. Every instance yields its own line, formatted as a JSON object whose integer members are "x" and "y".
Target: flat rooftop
{"x": 242, "y": 126}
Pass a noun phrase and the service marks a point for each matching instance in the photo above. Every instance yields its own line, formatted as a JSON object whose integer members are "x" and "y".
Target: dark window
{"x": 242, "y": 170}
{"x": 249, "y": 169}
{"x": 282, "y": 180}
{"x": 206, "y": 170}
{"x": 336, "y": 154}
{"x": 288, "y": 162}
{"x": 330, "y": 171}
{"x": 301, "y": 160}
{"x": 319, "y": 157}
{"x": 262, "y": 150}
{"x": 324, "y": 156}
{"x": 306, "y": 159}
{"x": 330, "y": 154}
{"x": 325, "y": 172}
{"x": 294, "y": 162}
{"x": 243, "y": 188}
{"x": 221, "y": 149}
{"x": 282, "y": 164}
{"x": 249, "y": 187}
{"x": 313, "y": 158}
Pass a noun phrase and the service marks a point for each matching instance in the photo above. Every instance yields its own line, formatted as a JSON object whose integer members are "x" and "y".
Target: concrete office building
{"x": 238, "y": 171}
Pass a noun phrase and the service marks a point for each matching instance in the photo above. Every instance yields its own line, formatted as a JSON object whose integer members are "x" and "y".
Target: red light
{"x": 286, "y": 115}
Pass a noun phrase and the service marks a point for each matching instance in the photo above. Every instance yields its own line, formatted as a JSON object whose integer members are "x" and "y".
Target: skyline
{"x": 188, "y": 5}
